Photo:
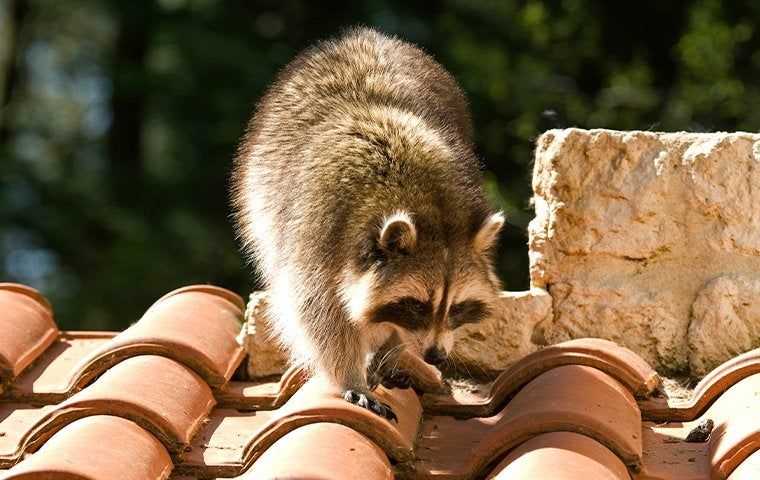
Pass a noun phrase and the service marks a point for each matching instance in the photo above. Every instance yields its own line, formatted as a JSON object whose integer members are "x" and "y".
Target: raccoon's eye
{"x": 468, "y": 311}
{"x": 407, "y": 312}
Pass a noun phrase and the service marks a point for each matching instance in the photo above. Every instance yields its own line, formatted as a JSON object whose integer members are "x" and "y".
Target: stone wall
{"x": 651, "y": 240}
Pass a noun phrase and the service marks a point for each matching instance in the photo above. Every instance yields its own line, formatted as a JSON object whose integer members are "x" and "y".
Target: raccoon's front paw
{"x": 365, "y": 400}
{"x": 397, "y": 379}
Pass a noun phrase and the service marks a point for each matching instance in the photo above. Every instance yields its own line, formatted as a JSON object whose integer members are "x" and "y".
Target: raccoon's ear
{"x": 489, "y": 232}
{"x": 398, "y": 234}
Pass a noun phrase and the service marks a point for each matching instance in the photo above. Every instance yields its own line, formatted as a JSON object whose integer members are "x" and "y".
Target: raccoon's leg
{"x": 341, "y": 353}
{"x": 366, "y": 400}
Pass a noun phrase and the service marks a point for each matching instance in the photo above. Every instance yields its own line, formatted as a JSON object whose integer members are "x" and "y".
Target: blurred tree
{"x": 14, "y": 18}
{"x": 119, "y": 120}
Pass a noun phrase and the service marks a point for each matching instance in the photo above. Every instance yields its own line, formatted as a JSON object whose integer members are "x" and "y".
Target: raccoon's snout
{"x": 434, "y": 356}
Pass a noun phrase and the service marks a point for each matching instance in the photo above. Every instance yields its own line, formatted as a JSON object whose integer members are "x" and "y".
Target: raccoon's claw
{"x": 366, "y": 401}
{"x": 397, "y": 379}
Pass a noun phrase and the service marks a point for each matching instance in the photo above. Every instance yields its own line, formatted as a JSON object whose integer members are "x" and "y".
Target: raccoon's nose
{"x": 434, "y": 356}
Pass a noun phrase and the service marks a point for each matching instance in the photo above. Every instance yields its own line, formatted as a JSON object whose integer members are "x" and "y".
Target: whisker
{"x": 462, "y": 364}
{"x": 388, "y": 353}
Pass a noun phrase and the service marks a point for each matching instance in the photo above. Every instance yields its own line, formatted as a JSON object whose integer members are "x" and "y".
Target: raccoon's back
{"x": 364, "y": 67}
{"x": 279, "y": 191}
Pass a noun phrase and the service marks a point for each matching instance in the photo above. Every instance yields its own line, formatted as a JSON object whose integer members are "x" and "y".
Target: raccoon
{"x": 357, "y": 194}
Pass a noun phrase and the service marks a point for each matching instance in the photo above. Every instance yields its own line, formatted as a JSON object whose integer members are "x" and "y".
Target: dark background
{"x": 119, "y": 119}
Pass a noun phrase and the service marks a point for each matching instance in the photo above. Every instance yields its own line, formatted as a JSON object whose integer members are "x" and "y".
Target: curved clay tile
{"x": 618, "y": 362}
{"x": 95, "y": 448}
{"x": 749, "y": 469}
{"x": 311, "y": 404}
{"x": 233, "y": 440}
{"x": 736, "y": 431}
{"x": 667, "y": 456}
{"x": 27, "y": 326}
{"x": 50, "y": 378}
{"x": 262, "y": 395}
{"x": 560, "y": 456}
{"x": 322, "y": 451}
{"x": 569, "y": 398}
{"x": 217, "y": 450}
{"x": 163, "y": 396}
{"x": 16, "y": 420}
{"x": 194, "y": 325}
{"x": 712, "y": 385}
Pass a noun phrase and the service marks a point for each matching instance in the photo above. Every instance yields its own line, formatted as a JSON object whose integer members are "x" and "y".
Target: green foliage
{"x": 118, "y": 120}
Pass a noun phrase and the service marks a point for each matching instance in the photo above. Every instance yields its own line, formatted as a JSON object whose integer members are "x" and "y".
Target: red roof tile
{"x": 231, "y": 440}
{"x": 56, "y": 374}
{"x": 28, "y": 329}
{"x": 708, "y": 389}
{"x": 560, "y": 456}
{"x": 749, "y": 468}
{"x": 97, "y": 447}
{"x": 322, "y": 451}
{"x": 16, "y": 420}
{"x": 568, "y": 398}
{"x": 158, "y": 399}
{"x": 263, "y": 395}
{"x": 736, "y": 432}
{"x": 621, "y": 363}
{"x": 194, "y": 325}
{"x": 161, "y": 395}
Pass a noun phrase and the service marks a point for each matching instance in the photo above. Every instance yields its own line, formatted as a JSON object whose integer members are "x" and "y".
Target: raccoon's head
{"x": 426, "y": 279}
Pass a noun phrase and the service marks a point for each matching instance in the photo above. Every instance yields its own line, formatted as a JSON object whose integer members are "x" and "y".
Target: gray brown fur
{"x": 353, "y": 130}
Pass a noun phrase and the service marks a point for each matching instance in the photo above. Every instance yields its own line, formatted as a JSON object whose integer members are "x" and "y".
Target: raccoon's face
{"x": 428, "y": 287}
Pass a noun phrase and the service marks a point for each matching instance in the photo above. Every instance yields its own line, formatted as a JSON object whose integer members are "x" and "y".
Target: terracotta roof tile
{"x": 163, "y": 396}
{"x": 708, "y": 389}
{"x": 195, "y": 325}
{"x": 736, "y": 431}
{"x": 667, "y": 456}
{"x": 232, "y": 441}
{"x": 560, "y": 456}
{"x": 621, "y": 363}
{"x": 567, "y": 411}
{"x": 568, "y": 398}
{"x": 222, "y": 447}
{"x": 98, "y": 447}
{"x": 322, "y": 451}
{"x": 16, "y": 420}
{"x": 749, "y": 468}
{"x": 311, "y": 404}
{"x": 28, "y": 329}
{"x": 262, "y": 395}
{"x": 734, "y": 437}
{"x": 56, "y": 375}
